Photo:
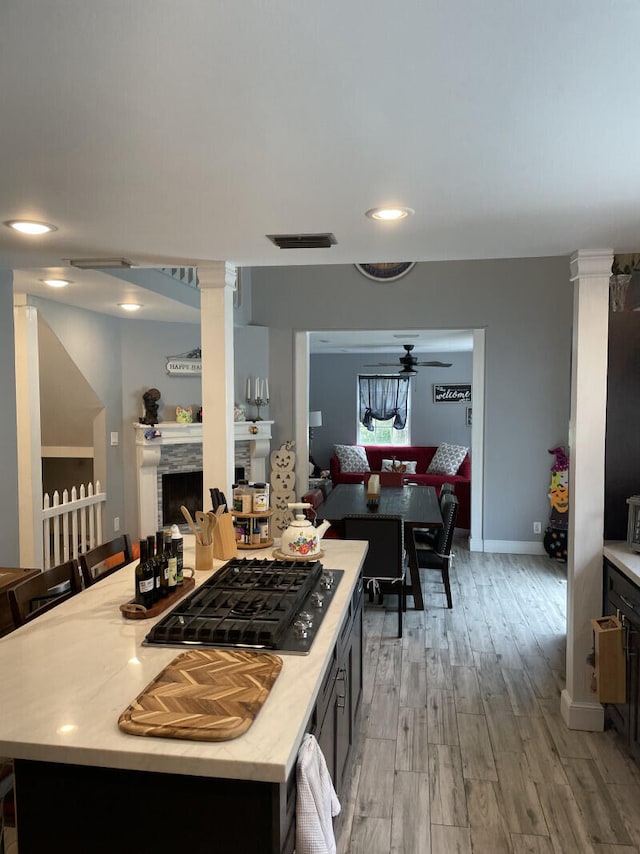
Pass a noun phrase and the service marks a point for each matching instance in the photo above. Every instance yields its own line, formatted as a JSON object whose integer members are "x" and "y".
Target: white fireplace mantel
{"x": 148, "y": 452}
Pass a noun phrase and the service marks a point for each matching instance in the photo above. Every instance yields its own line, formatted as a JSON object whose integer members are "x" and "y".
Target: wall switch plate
{"x": 116, "y": 523}
{"x": 537, "y": 527}
{"x": 114, "y": 438}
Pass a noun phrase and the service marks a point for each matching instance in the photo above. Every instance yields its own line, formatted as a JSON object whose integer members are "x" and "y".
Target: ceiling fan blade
{"x": 382, "y": 365}
{"x": 434, "y": 364}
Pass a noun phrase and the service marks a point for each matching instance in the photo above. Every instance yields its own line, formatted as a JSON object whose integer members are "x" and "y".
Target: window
{"x": 383, "y": 410}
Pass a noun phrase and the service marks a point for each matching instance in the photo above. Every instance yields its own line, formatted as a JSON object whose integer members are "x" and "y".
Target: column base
{"x": 582, "y": 716}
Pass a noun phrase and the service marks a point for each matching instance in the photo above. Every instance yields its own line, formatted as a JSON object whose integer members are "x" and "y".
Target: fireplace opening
{"x": 180, "y": 488}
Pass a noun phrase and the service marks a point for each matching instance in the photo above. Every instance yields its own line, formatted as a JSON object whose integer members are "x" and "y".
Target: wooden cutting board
{"x": 204, "y": 694}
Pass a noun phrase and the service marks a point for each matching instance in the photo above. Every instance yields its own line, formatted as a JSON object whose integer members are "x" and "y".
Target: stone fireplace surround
{"x": 179, "y": 448}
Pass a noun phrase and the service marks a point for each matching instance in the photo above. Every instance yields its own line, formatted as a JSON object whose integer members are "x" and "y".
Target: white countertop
{"x": 624, "y": 558}
{"x": 67, "y": 677}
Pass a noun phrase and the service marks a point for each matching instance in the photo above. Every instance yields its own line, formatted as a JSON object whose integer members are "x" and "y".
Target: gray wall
{"x": 525, "y": 306}
{"x": 145, "y": 346}
{"x": 93, "y": 342}
{"x": 9, "y": 540}
{"x": 332, "y": 390}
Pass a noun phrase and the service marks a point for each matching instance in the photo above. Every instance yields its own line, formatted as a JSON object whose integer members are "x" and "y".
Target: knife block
{"x": 224, "y": 538}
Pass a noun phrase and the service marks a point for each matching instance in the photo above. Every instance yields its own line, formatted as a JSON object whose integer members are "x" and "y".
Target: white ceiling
{"x": 168, "y": 132}
{"x": 386, "y": 341}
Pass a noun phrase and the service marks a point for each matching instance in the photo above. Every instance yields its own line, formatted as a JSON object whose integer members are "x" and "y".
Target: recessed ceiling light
{"x": 56, "y": 283}
{"x": 389, "y": 214}
{"x": 29, "y": 227}
{"x": 130, "y": 306}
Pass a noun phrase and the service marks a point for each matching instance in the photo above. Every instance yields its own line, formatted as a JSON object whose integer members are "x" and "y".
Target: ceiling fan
{"x": 410, "y": 362}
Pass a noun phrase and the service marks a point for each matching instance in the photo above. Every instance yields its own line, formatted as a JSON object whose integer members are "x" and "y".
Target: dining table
{"x": 417, "y": 504}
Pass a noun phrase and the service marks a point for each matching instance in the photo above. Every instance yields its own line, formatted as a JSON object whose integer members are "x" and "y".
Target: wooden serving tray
{"x": 204, "y": 694}
{"x": 132, "y": 610}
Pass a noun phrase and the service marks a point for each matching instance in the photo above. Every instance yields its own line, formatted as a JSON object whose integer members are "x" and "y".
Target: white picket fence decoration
{"x": 72, "y": 526}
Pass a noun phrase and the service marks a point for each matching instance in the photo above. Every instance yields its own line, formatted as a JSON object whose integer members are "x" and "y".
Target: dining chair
{"x": 439, "y": 555}
{"x": 428, "y": 536}
{"x": 383, "y": 570}
{"x": 101, "y": 561}
{"x": 42, "y": 592}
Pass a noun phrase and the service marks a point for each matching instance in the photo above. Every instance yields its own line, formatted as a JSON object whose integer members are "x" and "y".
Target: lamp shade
{"x": 315, "y": 418}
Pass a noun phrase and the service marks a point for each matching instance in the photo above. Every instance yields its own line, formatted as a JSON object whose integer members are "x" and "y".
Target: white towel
{"x": 316, "y": 801}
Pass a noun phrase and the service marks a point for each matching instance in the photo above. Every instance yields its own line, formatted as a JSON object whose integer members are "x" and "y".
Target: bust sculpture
{"x": 150, "y": 398}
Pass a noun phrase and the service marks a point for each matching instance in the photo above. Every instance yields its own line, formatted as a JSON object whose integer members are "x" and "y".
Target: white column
{"x": 25, "y": 318}
{"x": 217, "y": 284}
{"x": 590, "y": 271}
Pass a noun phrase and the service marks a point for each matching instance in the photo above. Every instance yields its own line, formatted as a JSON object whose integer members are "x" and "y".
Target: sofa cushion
{"x": 447, "y": 459}
{"x": 396, "y": 465}
{"x": 352, "y": 458}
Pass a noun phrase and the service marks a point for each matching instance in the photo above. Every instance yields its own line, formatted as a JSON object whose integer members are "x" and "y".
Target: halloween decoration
{"x": 555, "y": 535}
{"x": 283, "y": 484}
{"x": 150, "y": 399}
{"x": 184, "y": 416}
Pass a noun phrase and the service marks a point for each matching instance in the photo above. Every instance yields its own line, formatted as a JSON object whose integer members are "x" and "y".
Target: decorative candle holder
{"x": 258, "y": 402}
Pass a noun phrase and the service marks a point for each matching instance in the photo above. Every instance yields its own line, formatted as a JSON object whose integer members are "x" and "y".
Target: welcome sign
{"x": 452, "y": 393}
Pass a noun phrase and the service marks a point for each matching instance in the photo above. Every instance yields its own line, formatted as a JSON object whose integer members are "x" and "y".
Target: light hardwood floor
{"x": 462, "y": 747}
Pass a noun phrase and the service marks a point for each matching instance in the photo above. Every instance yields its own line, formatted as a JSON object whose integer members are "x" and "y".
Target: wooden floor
{"x": 462, "y": 746}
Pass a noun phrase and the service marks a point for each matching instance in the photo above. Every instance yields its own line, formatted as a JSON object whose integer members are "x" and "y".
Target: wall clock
{"x": 386, "y": 272}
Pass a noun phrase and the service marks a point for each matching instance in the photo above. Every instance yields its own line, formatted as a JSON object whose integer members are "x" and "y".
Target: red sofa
{"x": 423, "y": 455}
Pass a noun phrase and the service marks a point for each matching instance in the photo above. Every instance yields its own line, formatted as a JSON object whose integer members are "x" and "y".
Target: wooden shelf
{"x": 264, "y": 514}
{"x": 264, "y": 544}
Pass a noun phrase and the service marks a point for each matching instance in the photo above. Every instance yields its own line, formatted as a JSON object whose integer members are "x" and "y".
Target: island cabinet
{"x": 335, "y": 718}
{"x": 622, "y": 599}
{"x": 78, "y": 808}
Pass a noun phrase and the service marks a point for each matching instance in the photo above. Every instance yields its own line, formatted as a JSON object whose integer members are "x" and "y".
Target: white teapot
{"x": 302, "y": 539}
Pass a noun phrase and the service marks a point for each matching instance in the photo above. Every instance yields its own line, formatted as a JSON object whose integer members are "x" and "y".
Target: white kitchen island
{"x": 66, "y": 678}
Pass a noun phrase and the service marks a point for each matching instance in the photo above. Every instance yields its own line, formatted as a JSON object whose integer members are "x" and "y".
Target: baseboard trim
{"x": 514, "y": 547}
{"x": 476, "y": 544}
{"x": 582, "y": 716}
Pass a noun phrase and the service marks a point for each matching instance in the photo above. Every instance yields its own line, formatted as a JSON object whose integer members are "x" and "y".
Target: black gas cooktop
{"x": 253, "y": 603}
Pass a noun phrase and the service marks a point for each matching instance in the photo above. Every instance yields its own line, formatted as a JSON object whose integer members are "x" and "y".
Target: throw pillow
{"x": 395, "y": 465}
{"x": 447, "y": 459}
{"x": 352, "y": 458}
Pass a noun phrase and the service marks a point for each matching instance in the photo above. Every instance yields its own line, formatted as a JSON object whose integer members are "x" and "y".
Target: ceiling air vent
{"x": 100, "y": 263}
{"x": 303, "y": 241}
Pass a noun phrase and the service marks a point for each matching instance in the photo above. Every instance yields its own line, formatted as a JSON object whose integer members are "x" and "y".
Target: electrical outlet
{"x": 116, "y": 523}
{"x": 114, "y": 438}
{"x": 537, "y": 527}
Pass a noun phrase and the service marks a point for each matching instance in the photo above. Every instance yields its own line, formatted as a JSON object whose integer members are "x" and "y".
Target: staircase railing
{"x": 185, "y": 275}
{"x": 73, "y": 524}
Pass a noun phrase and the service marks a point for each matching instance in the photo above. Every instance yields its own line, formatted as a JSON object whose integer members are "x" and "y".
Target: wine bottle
{"x": 163, "y": 564}
{"x": 151, "y": 550}
{"x": 144, "y": 578}
{"x": 177, "y": 549}
{"x": 172, "y": 564}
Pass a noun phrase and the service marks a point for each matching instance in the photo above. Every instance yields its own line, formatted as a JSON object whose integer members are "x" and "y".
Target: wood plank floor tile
{"x": 521, "y": 694}
{"x": 460, "y": 652}
{"x": 489, "y": 831}
{"x": 545, "y": 765}
{"x": 613, "y": 764}
{"x": 442, "y": 723}
{"x": 568, "y": 742}
{"x": 489, "y": 674}
{"x": 370, "y": 836}
{"x": 450, "y": 840}
{"x": 505, "y": 648}
{"x": 383, "y": 712}
{"x": 375, "y": 791}
{"x": 466, "y": 690}
{"x": 413, "y": 682}
{"x": 523, "y": 812}
{"x": 615, "y": 849}
{"x": 564, "y": 819}
{"x": 412, "y": 743}
{"x": 627, "y": 801}
{"x": 479, "y": 636}
{"x": 389, "y": 660}
{"x": 540, "y": 676}
{"x": 435, "y": 633}
{"x": 475, "y": 746}
{"x": 503, "y": 724}
{"x": 448, "y": 803}
{"x": 524, "y": 844}
{"x": 411, "y": 823}
{"x": 438, "y": 669}
{"x": 601, "y": 816}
